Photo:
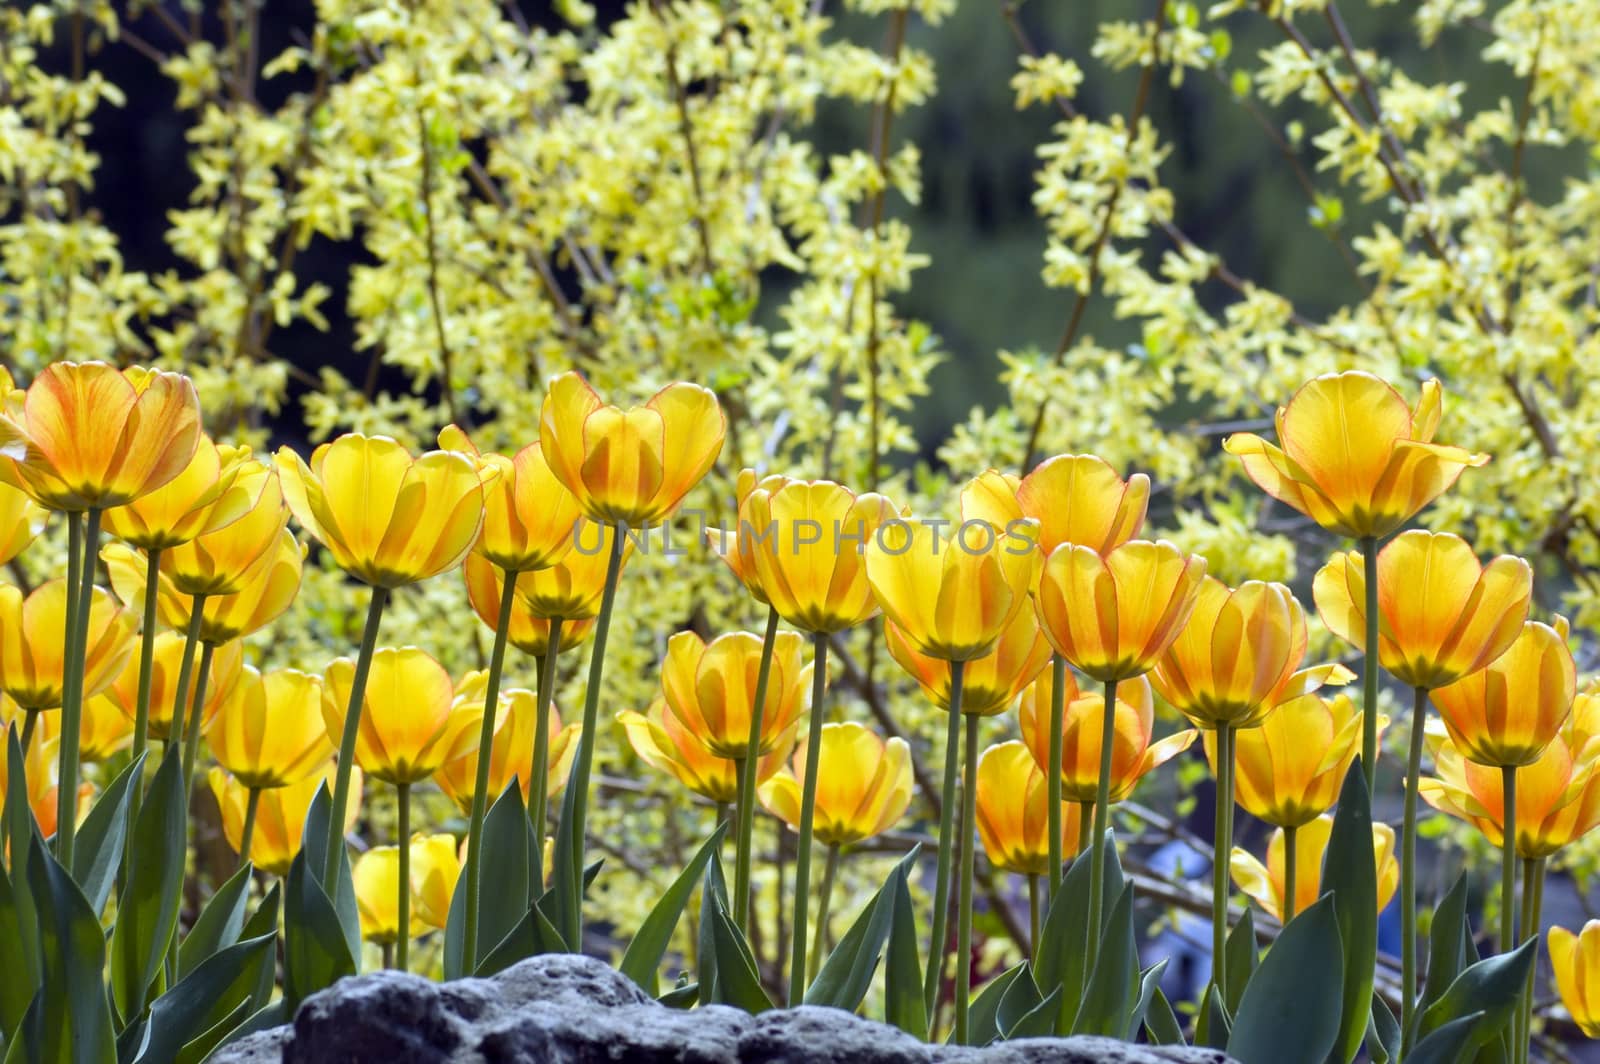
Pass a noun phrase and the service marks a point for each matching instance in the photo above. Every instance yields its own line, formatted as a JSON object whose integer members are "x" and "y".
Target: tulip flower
{"x": 104, "y": 732}
{"x": 574, "y": 588}
{"x": 200, "y": 499}
{"x": 389, "y": 520}
{"x": 512, "y": 752}
{"x": 1076, "y": 498}
{"x": 710, "y": 689}
{"x": 39, "y": 774}
{"x": 33, "y": 669}
{"x": 271, "y": 838}
{"x": 1440, "y": 615}
{"x": 383, "y": 898}
{"x": 737, "y": 546}
{"x": 435, "y": 867}
{"x": 21, "y": 519}
{"x": 1012, "y": 820}
{"x": 268, "y": 731}
{"x": 1576, "y": 960}
{"x": 218, "y": 561}
{"x": 528, "y": 632}
{"x": 863, "y": 786}
{"x": 1275, "y": 886}
{"x": 166, "y": 663}
{"x": 664, "y": 744}
{"x": 990, "y": 684}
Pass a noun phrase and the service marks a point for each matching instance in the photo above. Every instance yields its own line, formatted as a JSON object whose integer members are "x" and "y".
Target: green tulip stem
{"x": 30, "y": 717}
{"x": 539, "y": 790}
{"x": 1408, "y": 871}
{"x": 1102, "y": 818}
{"x": 1085, "y": 825}
{"x": 1369, "y": 667}
{"x": 1033, "y": 913}
{"x": 1291, "y": 864}
{"x": 141, "y": 715}
{"x": 480, "y": 789}
{"x": 247, "y": 833}
{"x": 347, "y": 739}
{"x": 969, "y": 821}
{"x": 386, "y": 951}
{"x": 808, "y": 803}
{"x": 938, "y": 944}
{"x": 178, "y": 722}
{"x": 1508, "y": 861}
{"x": 1058, "y": 698}
{"x": 1532, "y": 906}
{"x": 572, "y": 891}
{"x": 1222, "y": 849}
{"x": 191, "y": 732}
{"x": 403, "y": 885}
{"x": 749, "y": 766}
{"x": 819, "y": 943}
{"x": 75, "y": 649}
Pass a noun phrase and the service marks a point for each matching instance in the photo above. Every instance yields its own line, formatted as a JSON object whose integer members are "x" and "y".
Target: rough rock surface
{"x": 575, "y": 1010}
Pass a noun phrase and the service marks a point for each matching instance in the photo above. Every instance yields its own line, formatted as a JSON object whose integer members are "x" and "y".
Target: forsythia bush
{"x": 588, "y": 210}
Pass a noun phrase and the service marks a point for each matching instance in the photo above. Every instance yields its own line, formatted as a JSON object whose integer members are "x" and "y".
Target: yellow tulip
{"x": 528, "y": 516}
{"x": 952, "y": 598}
{"x": 1506, "y": 714}
{"x": 435, "y": 867}
{"x": 1441, "y": 614}
{"x": 1290, "y": 767}
{"x": 710, "y": 689}
{"x": 512, "y": 755}
{"x": 388, "y": 519}
{"x": 1354, "y": 459}
{"x": 280, "y": 815}
{"x": 664, "y": 744}
{"x": 1013, "y": 809}
{"x": 1239, "y": 655}
{"x": 1576, "y": 961}
{"x": 21, "y": 519}
{"x": 268, "y": 730}
{"x": 218, "y": 562}
{"x": 39, "y": 774}
{"x": 863, "y": 785}
{"x": 573, "y": 588}
{"x": 31, "y": 654}
{"x": 989, "y": 684}
{"x": 1076, "y": 498}
{"x": 1266, "y": 883}
{"x": 1133, "y": 755}
{"x": 88, "y": 436}
{"x": 199, "y": 499}
{"x": 805, "y": 541}
{"x": 1114, "y": 616}
{"x": 528, "y": 633}
{"x": 104, "y": 731}
{"x": 410, "y": 724}
{"x": 737, "y": 550}
{"x": 226, "y": 665}
{"x": 376, "y": 878}
{"x": 630, "y": 466}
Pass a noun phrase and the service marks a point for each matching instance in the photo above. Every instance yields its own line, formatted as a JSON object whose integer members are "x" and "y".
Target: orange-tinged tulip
{"x": 528, "y": 633}
{"x": 39, "y": 772}
{"x": 1506, "y": 714}
{"x": 1266, "y": 883}
{"x": 388, "y": 519}
{"x": 199, "y": 499}
{"x": 1354, "y": 458}
{"x": 1441, "y": 614}
{"x": 528, "y": 516}
{"x": 1239, "y": 655}
{"x": 1076, "y": 498}
{"x": 1113, "y": 616}
{"x": 31, "y": 654}
{"x": 630, "y": 466}
{"x": 512, "y": 755}
{"x": 1133, "y": 755}
{"x": 989, "y": 684}
{"x": 1576, "y": 961}
{"x": 21, "y": 519}
{"x": 738, "y": 551}
{"x": 806, "y": 541}
{"x": 863, "y": 785}
{"x": 268, "y": 730}
{"x": 1288, "y": 770}
{"x": 664, "y": 744}
{"x": 376, "y": 877}
{"x": 280, "y": 815}
{"x": 226, "y": 666}
{"x": 89, "y": 436}
{"x": 573, "y": 587}
{"x": 218, "y": 562}
{"x": 952, "y": 598}
{"x": 1013, "y": 811}
{"x": 435, "y": 867}
{"x": 710, "y": 689}
{"x": 410, "y": 721}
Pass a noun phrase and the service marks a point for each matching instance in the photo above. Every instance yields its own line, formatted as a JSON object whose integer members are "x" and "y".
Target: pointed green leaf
{"x": 264, "y": 921}
{"x": 1448, "y": 953}
{"x": 1242, "y": 955}
{"x": 1349, "y": 870}
{"x": 1109, "y": 995}
{"x": 1212, "y": 1025}
{"x": 983, "y": 1024}
{"x": 19, "y": 946}
{"x": 738, "y": 984}
{"x": 76, "y": 1020}
{"x": 902, "y": 979}
{"x": 846, "y": 975}
{"x": 314, "y": 845}
{"x": 642, "y": 959}
{"x": 219, "y": 986}
{"x": 1021, "y": 997}
{"x": 1490, "y": 986}
{"x": 316, "y": 953}
{"x": 1149, "y": 986}
{"x": 1383, "y": 1033}
{"x": 1161, "y": 1023}
{"x": 98, "y": 851}
{"x": 1289, "y": 1011}
{"x": 713, "y": 895}
{"x": 17, "y": 819}
{"x": 147, "y": 914}
{"x": 503, "y": 897}
{"x": 1063, "y": 940}
{"x": 1449, "y": 1043}
{"x": 1040, "y": 1022}
{"x": 219, "y": 923}
{"x": 533, "y": 936}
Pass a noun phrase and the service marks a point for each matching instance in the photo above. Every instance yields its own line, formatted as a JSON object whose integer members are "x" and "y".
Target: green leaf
{"x": 219, "y": 923}
{"x": 502, "y": 900}
{"x": 681, "y": 997}
{"x": 98, "y": 851}
{"x": 1040, "y": 1022}
{"x": 316, "y": 953}
{"x": 219, "y": 986}
{"x": 1383, "y": 1033}
{"x": 902, "y": 978}
{"x": 738, "y": 984}
{"x": 1349, "y": 870}
{"x": 76, "y": 1017}
{"x": 314, "y": 844}
{"x": 1063, "y": 940}
{"x": 19, "y": 945}
{"x": 1161, "y": 1023}
{"x": 147, "y": 914}
{"x": 1447, "y": 944}
{"x": 1149, "y": 986}
{"x": 845, "y": 977}
{"x": 1212, "y": 1024}
{"x": 713, "y": 895}
{"x": 534, "y": 935}
{"x": 1289, "y": 1010}
{"x": 642, "y": 959}
{"x": 1109, "y": 994}
{"x": 17, "y": 820}
{"x": 563, "y": 905}
{"x": 1490, "y": 986}
{"x": 1242, "y": 957}
{"x": 262, "y": 922}
{"x": 1450, "y": 1043}
{"x": 1021, "y": 998}
{"x": 27, "y": 1045}
{"x": 983, "y": 1025}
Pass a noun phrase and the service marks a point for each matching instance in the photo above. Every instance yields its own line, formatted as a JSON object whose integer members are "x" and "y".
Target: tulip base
{"x": 748, "y": 766}
{"x": 472, "y": 873}
{"x": 347, "y": 740}
{"x": 937, "y": 944}
{"x": 808, "y": 802}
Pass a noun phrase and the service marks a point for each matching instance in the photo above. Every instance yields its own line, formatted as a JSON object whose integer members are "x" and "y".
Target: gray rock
{"x": 575, "y": 1010}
